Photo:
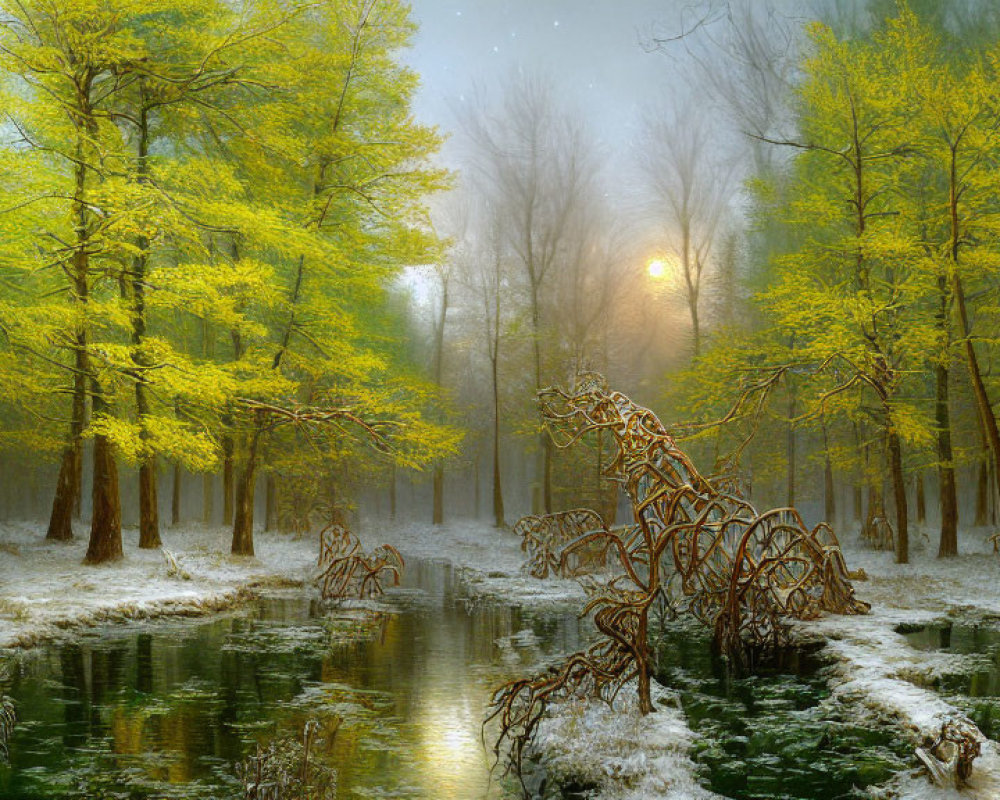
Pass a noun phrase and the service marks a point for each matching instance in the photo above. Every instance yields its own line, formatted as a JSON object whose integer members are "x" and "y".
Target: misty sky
{"x": 590, "y": 49}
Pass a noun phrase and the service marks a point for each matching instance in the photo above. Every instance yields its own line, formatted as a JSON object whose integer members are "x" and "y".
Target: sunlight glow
{"x": 656, "y": 267}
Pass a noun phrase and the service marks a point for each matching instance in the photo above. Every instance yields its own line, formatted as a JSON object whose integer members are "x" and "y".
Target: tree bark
{"x": 899, "y": 495}
{"x": 982, "y": 493}
{"x": 61, "y": 518}
{"x": 438, "y": 511}
{"x": 149, "y": 512}
{"x": 790, "y": 447}
{"x": 175, "y": 496}
{"x": 829, "y": 489}
{"x": 948, "y": 543}
{"x": 498, "y": 511}
{"x": 227, "y": 479}
{"x": 243, "y": 522}
{"x": 106, "y": 517}
{"x": 986, "y": 415}
{"x": 69, "y": 485}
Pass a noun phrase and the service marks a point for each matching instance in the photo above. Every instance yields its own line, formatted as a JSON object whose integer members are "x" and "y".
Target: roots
{"x": 740, "y": 572}
{"x": 348, "y": 572}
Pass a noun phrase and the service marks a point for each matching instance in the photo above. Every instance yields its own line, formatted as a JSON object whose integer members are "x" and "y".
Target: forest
{"x": 353, "y": 448}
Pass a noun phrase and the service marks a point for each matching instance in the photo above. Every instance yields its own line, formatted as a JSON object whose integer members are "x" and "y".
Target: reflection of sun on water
{"x": 454, "y": 740}
{"x": 453, "y": 755}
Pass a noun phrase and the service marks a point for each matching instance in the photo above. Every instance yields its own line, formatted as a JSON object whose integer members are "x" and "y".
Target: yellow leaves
{"x": 915, "y": 426}
{"x": 167, "y": 436}
{"x": 220, "y": 292}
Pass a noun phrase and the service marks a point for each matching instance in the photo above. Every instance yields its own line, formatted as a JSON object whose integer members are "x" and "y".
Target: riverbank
{"x": 47, "y": 593}
{"x": 879, "y": 673}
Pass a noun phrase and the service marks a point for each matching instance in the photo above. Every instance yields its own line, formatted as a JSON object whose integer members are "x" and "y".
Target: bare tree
{"x": 534, "y": 165}
{"x": 691, "y": 191}
{"x": 485, "y": 276}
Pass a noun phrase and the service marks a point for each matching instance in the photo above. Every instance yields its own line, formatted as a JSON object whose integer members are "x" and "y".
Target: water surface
{"x": 973, "y": 684}
{"x": 769, "y": 736}
{"x": 167, "y": 709}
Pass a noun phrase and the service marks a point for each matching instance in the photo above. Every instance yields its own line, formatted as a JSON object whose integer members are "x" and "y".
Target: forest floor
{"x": 46, "y": 593}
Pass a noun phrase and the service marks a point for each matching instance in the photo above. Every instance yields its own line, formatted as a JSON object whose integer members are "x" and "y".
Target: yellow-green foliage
{"x": 282, "y": 189}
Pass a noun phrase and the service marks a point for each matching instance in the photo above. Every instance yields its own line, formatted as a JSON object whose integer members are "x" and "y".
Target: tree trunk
{"x": 149, "y": 512}
{"x": 921, "y": 498}
{"x": 61, "y": 519}
{"x": 106, "y": 519}
{"x": 208, "y": 498}
{"x": 790, "y": 448}
{"x": 829, "y": 489}
{"x": 899, "y": 495}
{"x": 227, "y": 479}
{"x": 948, "y": 544}
{"x": 543, "y": 462}
{"x": 243, "y": 522}
{"x": 986, "y": 415}
{"x": 498, "y": 512}
{"x": 175, "y": 496}
{"x": 438, "y": 513}
{"x": 982, "y": 494}
{"x": 69, "y": 486}
{"x": 859, "y": 479}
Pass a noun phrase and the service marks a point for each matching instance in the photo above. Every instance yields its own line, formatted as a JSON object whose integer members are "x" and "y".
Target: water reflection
{"x": 770, "y": 735}
{"x": 973, "y": 684}
{"x": 166, "y": 710}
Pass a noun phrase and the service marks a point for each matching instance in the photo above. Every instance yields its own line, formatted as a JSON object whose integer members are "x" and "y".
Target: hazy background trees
{"x": 235, "y": 214}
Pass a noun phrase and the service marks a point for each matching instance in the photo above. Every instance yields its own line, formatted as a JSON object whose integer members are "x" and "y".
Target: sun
{"x": 656, "y": 267}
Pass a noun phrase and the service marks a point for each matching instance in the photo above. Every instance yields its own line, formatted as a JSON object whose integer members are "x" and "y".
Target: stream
{"x": 167, "y": 709}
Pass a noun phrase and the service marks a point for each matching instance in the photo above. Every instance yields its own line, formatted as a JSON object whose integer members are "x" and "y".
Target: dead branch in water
{"x": 347, "y": 571}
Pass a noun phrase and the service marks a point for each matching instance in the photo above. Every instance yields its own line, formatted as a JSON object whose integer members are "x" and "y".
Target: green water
{"x": 168, "y": 709}
{"x": 972, "y": 684}
{"x": 769, "y": 735}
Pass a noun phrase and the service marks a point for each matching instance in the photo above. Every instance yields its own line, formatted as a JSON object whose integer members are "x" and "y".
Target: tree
{"x": 692, "y": 193}
{"x": 849, "y": 287}
{"x": 535, "y": 167}
{"x": 355, "y": 171}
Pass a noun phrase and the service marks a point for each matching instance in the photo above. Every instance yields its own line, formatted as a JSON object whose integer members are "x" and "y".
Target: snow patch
{"x": 46, "y": 591}
{"x": 879, "y": 673}
{"x": 626, "y": 755}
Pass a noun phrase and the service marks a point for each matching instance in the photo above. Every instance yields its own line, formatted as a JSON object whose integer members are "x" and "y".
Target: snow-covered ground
{"x": 630, "y": 757}
{"x": 880, "y": 673}
{"x": 45, "y": 591}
